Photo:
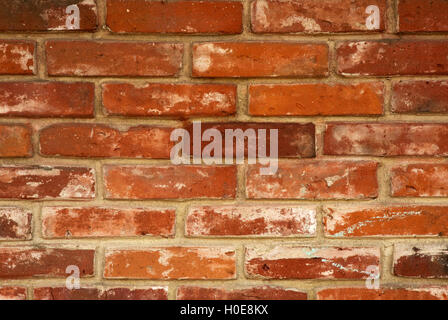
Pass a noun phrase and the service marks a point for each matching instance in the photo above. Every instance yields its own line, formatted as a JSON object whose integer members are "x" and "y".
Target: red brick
{"x": 34, "y": 182}
{"x": 15, "y": 140}
{"x": 422, "y": 293}
{"x": 421, "y": 261}
{"x": 12, "y": 293}
{"x": 138, "y": 293}
{"x": 17, "y": 57}
{"x": 420, "y": 97}
{"x": 28, "y": 262}
{"x": 47, "y": 99}
{"x": 268, "y": 221}
{"x": 137, "y": 16}
{"x": 67, "y": 222}
{"x": 248, "y": 293}
{"x": 314, "y": 180}
{"x": 49, "y": 15}
{"x": 174, "y": 100}
{"x": 316, "y": 99}
{"x": 111, "y": 58}
{"x": 386, "y": 139}
{"x": 295, "y": 140}
{"x": 15, "y": 223}
{"x": 426, "y": 16}
{"x": 86, "y": 140}
{"x": 365, "y": 221}
{"x": 298, "y": 262}
{"x": 393, "y": 57}
{"x": 259, "y": 59}
{"x": 169, "y": 182}
{"x": 419, "y": 180}
{"x": 314, "y": 16}
{"x": 171, "y": 263}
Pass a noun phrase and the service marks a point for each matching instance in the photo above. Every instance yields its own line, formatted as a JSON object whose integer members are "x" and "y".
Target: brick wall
{"x": 359, "y": 95}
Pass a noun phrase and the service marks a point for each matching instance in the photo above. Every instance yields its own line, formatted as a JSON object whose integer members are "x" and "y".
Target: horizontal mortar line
{"x": 125, "y": 123}
{"x": 138, "y": 243}
{"x": 101, "y": 35}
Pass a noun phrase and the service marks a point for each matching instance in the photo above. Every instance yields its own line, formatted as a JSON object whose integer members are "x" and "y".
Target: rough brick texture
{"x": 419, "y": 180}
{"x": 28, "y": 262}
{"x": 381, "y": 221}
{"x": 81, "y": 140}
{"x": 251, "y": 221}
{"x": 12, "y": 293}
{"x": 422, "y": 16}
{"x": 314, "y": 180}
{"x": 386, "y": 139}
{"x": 18, "y": 57}
{"x": 314, "y": 16}
{"x": 97, "y": 96}
{"x": 135, "y": 16}
{"x": 253, "y": 293}
{"x": 62, "y": 293}
{"x": 316, "y": 99}
{"x": 295, "y": 262}
{"x": 171, "y": 263}
{"x": 421, "y": 261}
{"x": 380, "y": 58}
{"x": 259, "y": 59}
{"x": 15, "y": 223}
{"x": 420, "y": 97}
{"x": 50, "y": 15}
{"x": 47, "y": 183}
{"x": 423, "y": 293}
{"x": 15, "y": 141}
{"x": 169, "y": 100}
{"x": 47, "y": 99}
{"x": 107, "y": 58}
{"x": 60, "y": 222}
{"x": 169, "y": 182}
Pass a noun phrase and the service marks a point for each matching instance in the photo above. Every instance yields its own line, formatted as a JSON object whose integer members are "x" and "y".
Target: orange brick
{"x": 15, "y": 223}
{"x": 47, "y": 99}
{"x": 15, "y": 141}
{"x": 171, "y": 263}
{"x": 314, "y": 180}
{"x": 169, "y": 182}
{"x": 297, "y": 262}
{"x": 268, "y": 221}
{"x": 28, "y": 262}
{"x": 315, "y": 16}
{"x": 17, "y": 57}
{"x": 259, "y": 59}
{"x": 251, "y": 293}
{"x": 67, "y": 222}
{"x": 34, "y": 182}
{"x": 62, "y": 293}
{"x": 392, "y": 57}
{"x": 422, "y": 16}
{"x": 111, "y": 58}
{"x": 420, "y": 97}
{"x": 347, "y": 293}
{"x": 12, "y": 293}
{"x": 386, "y": 139}
{"x": 137, "y": 16}
{"x": 316, "y": 99}
{"x": 384, "y": 221}
{"x": 419, "y": 180}
{"x": 85, "y": 140}
{"x": 171, "y": 100}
